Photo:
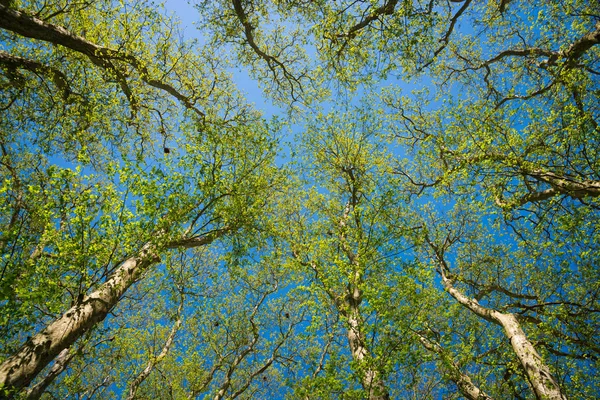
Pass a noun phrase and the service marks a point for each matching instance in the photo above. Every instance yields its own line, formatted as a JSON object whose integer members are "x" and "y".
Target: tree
{"x": 157, "y": 242}
{"x": 209, "y": 210}
{"x": 69, "y": 229}
{"x": 343, "y": 263}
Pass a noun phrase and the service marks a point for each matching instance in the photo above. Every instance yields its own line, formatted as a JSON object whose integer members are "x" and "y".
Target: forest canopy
{"x": 413, "y": 211}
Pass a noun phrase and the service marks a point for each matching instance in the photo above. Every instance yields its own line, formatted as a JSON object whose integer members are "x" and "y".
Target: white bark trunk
{"x": 18, "y": 370}
{"x": 543, "y": 383}
{"x": 21, "y": 368}
{"x": 371, "y": 379}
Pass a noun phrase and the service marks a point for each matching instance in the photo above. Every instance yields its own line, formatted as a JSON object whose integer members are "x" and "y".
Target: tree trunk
{"x": 21, "y": 368}
{"x": 59, "y": 366}
{"x": 543, "y": 383}
{"x": 371, "y": 379}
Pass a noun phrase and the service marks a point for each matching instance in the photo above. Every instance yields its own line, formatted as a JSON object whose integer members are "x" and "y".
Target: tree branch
{"x": 386, "y": 9}
{"x": 272, "y": 62}
{"x": 446, "y": 38}
{"x": 155, "y": 360}
{"x": 18, "y": 370}
{"x": 57, "y": 76}
{"x": 34, "y": 28}
{"x": 544, "y": 384}
{"x": 571, "y": 54}
{"x": 63, "y": 359}
{"x": 462, "y": 381}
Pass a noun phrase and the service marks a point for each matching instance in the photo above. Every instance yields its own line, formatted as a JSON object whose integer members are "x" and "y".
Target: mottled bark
{"x": 372, "y": 381}
{"x": 560, "y": 185}
{"x": 583, "y": 44}
{"x": 21, "y": 368}
{"x": 63, "y": 359}
{"x": 538, "y": 373}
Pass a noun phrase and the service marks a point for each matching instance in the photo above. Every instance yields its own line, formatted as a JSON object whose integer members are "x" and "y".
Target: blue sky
{"x": 188, "y": 15}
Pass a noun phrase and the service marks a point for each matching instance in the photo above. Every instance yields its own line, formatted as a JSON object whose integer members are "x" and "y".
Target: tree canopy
{"x": 419, "y": 217}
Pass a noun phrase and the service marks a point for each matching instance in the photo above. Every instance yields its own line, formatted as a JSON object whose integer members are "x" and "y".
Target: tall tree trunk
{"x": 21, "y": 368}
{"x": 371, "y": 378}
{"x": 538, "y": 373}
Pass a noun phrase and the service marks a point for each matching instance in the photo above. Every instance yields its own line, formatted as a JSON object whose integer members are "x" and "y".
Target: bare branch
{"x": 575, "y": 51}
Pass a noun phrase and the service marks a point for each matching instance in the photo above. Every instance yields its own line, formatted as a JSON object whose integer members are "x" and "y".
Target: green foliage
{"x": 353, "y": 262}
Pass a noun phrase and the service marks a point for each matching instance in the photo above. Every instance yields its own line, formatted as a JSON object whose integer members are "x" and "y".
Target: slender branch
{"x": 249, "y": 349}
{"x": 489, "y": 288}
{"x": 575, "y": 51}
{"x": 576, "y": 189}
{"x": 386, "y": 9}
{"x": 61, "y": 363}
{"x": 155, "y": 360}
{"x": 462, "y": 380}
{"x": 266, "y": 364}
{"x": 446, "y": 38}
{"x": 272, "y": 62}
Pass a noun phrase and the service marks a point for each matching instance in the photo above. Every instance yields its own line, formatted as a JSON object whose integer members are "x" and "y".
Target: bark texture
{"x": 63, "y": 359}
{"x": 21, "y": 368}
{"x": 538, "y": 373}
{"x": 372, "y": 380}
